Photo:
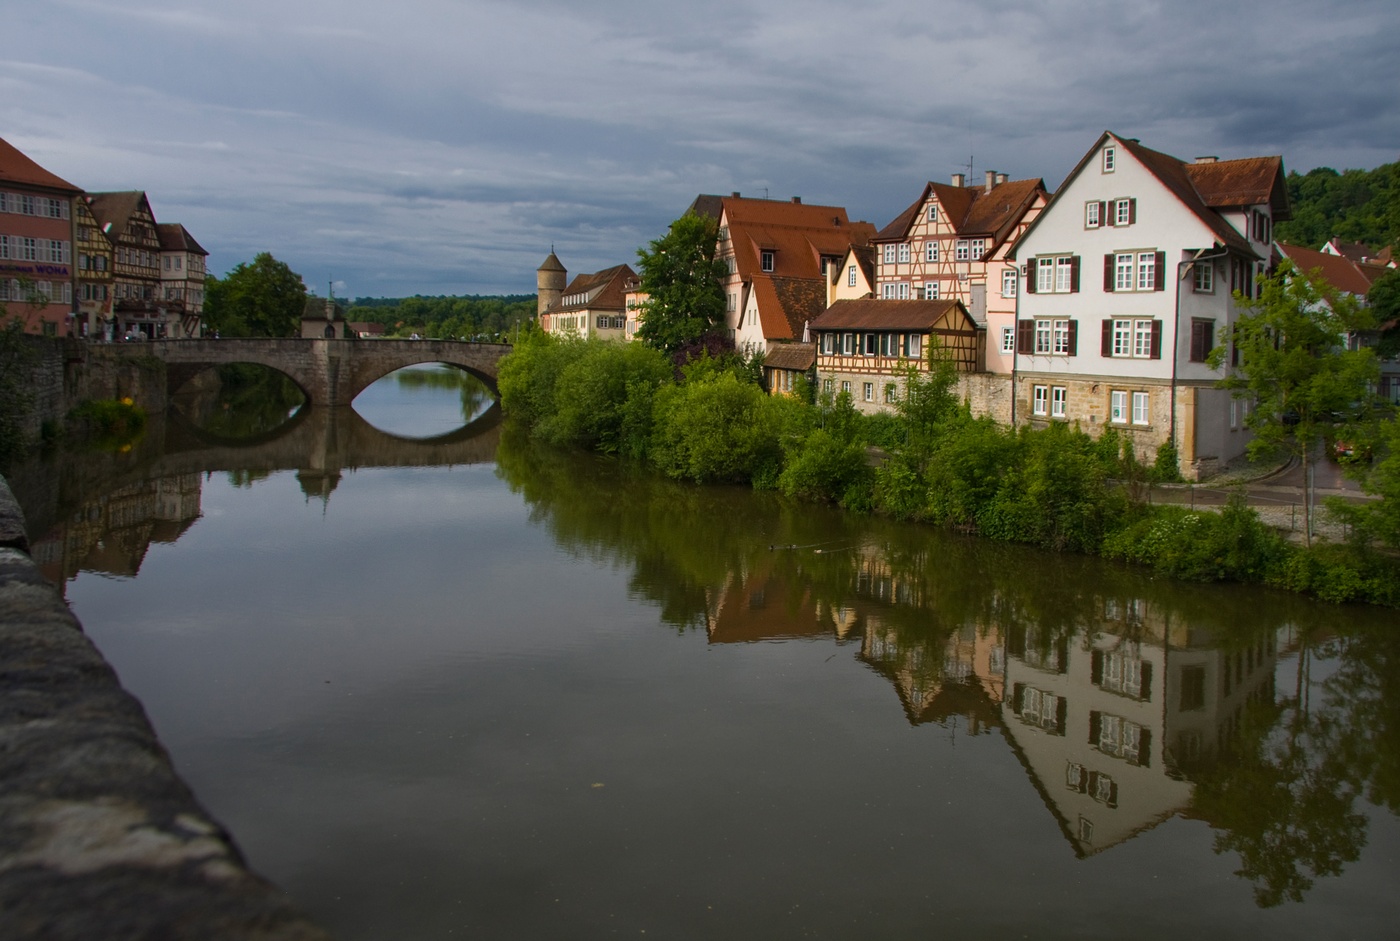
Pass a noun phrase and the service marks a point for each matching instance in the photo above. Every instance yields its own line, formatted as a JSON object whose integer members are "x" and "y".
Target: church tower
{"x": 550, "y": 278}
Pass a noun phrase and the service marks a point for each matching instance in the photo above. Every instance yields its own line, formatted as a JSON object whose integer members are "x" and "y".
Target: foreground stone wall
{"x": 99, "y": 839}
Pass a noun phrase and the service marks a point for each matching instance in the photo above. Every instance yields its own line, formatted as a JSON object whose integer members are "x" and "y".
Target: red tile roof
{"x": 15, "y": 167}
{"x": 971, "y": 210}
{"x": 798, "y": 234}
{"x": 785, "y": 305}
{"x": 1340, "y": 272}
{"x": 1235, "y": 184}
{"x": 604, "y": 289}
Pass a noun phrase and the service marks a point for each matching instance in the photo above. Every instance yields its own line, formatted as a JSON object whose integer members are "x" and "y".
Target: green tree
{"x": 1384, "y": 301}
{"x": 681, "y": 276}
{"x": 264, "y": 298}
{"x": 1295, "y": 367}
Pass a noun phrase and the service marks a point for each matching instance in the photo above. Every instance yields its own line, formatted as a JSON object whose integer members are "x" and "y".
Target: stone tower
{"x": 549, "y": 279}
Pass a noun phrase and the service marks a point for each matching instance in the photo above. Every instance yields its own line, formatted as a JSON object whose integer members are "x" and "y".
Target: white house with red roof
{"x": 952, "y": 243}
{"x": 1126, "y": 278}
{"x": 590, "y": 306}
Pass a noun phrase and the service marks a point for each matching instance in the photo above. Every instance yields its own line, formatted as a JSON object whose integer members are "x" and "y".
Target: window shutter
{"x": 1161, "y": 279}
{"x": 1156, "y": 339}
{"x": 1106, "y": 349}
{"x": 1096, "y": 668}
{"x": 1103, "y": 213}
{"x": 1111, "y": 210}
{"x": 1025, "y": 337}
{"x": 1074, "y": 338}
{"x": 1132, "y": 212}
{"x": 1144, "y": 755}
{"x": 1018, "y": 691}
{"x": 1146, "y": 682}
{"x": 1061, "y": 714}
{"x": 1108, "y": 273}
{"x": 1095, "y": 721}
{"x": 1030, "y": 275}
{"x": 1074, "y": 274}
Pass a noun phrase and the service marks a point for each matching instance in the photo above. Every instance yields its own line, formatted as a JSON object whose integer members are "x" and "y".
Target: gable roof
{"x": 1239, "y": 180}
{"x": 971, "y": 210}
{"x": 174, "y": 237}
{"x": 15, "y": 167}
{"x": 114, "y": 210}
{"x": 799, "y": 235}
{"x": 601, "y": 289}
{"x": 864, "y": 257}
{"x": 1337, "y": 270}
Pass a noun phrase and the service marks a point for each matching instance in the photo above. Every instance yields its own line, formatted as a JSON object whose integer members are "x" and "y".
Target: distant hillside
{"x": 473, "y": 315}
{"x": 1354, "y": 205}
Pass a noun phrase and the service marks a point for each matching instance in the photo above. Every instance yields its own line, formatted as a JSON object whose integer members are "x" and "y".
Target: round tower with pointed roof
{"x": 550, "y": 278}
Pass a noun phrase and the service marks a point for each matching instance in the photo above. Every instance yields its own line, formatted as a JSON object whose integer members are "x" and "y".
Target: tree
{"x": 1384, "y": 301}
{"x": 681, "y": 276}
{"x": 262, "y": 299}
{"x": 1296, "y": 368}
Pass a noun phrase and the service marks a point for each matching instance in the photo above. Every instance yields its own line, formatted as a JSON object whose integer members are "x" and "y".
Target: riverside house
{"x": 36, "y": 244}
{"x": 1126, "y": 280}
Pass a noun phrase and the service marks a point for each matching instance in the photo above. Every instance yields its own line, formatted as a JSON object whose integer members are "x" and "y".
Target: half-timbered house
{"x": 130, "y": 226}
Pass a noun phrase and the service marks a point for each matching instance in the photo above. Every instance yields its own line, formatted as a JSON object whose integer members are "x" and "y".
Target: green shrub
{"x": 1201, "y": 545}
{"x": 825, "y": 468}
{"x": 108, "y": 424}
{"x": 716, "y": 429}
{"x": 529, "y": 373}
{"x": 602, "y": 396}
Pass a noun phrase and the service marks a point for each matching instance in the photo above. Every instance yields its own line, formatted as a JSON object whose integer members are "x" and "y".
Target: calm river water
{"x": 467, "y": 687}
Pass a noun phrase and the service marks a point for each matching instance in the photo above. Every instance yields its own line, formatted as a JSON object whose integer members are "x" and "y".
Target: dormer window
{"x": 766, "y": 260}
{"x": 1110, "y": 157}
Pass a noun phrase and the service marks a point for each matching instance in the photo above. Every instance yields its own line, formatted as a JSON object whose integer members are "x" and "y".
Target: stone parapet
{"x": 99, "y": 838}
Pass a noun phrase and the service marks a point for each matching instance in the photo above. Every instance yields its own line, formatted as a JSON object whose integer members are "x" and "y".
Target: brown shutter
{"x": 1074, "y": 338}
{"x": 1146, "y": 681}
{"x": 1132, "y": 212}
{"x": 1144, "y": 755}
{"x": 1106, "y": 350}
{"x": 1096, "y": 667}
{"x": 1030, "y": 275}
{"x": 1103, "y": 213}
{"x": 1061, "y": 714}
{"x": 1161, "y": 280}
{"x": 1156, "y": 339}
{"x": 1074, "y": 274}
{"x": 1018, "y": 690}
{"x": 1095, "y": 721}
{"x": 1025, "y": 337}
{"x": 1112, "y": 208}
{"x": 1108, "y": 281}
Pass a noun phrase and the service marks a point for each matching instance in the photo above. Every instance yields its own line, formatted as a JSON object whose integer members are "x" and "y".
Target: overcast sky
{"x": 442, "y": 146}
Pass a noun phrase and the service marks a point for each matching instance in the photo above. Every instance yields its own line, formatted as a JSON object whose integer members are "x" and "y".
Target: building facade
{"x": 127, "y": 221}
{"x": 36, "y": 245}
{"x": 182, "y": 271}
{"x": 1126, "y": 281}
{"x": 590, "y": 306}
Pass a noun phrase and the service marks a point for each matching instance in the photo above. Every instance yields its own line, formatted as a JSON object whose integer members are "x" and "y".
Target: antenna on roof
{"x": 969, "y": 166}
{"x": 765, "y": 192}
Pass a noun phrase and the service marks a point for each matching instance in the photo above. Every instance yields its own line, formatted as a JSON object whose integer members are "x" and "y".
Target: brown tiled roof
{"x": 864, "y": 256}
{"x": 707, "y": 206}
{"x": 552, "y": 263}
{"x": 15, "y": 167}
{"x": 174, "y": 237}
{"x": 606, "y": 288}
{"x": 875, "y": 314}
{"x": 798, "y": 234}
{"x": 785, "y": 305}
{"x": 795, "y": 356}
{"x": 1340, "y": 272}
{"x": 1234, "y": 184}
{"x": 971, "y": 210}
{"x": 113, "y": 210}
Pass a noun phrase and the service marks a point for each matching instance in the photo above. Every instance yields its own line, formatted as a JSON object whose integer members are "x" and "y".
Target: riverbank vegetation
{"x": 446, "y": 317}
{"x": 930, "y": 461}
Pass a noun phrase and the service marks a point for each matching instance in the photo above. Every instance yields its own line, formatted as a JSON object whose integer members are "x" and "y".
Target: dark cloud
{"x": 442, "y": 146}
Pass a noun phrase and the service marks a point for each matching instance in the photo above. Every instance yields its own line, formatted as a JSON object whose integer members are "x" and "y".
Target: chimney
{"x": 991, "y": 180}
{"x": 1001, "y": 178}
{"x": 1207, "y": 159}
{"x": 797, "y": 199}
{"x": 735, "y": 194}
{"x": 957, "y": 179}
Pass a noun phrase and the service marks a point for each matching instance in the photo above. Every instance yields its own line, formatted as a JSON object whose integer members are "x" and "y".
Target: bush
{"x": 529, "y": 373}
{"x": 716, "y": 429}
{"x": 825, "y": 468}
{"x": 602, "y": 397}
{"x": 1232, "y": 545}
{"x": 108, "y": 424}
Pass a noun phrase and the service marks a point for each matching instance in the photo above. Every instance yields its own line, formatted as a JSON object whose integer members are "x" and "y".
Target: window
{"x": 1118, "y": 407}
{"x": 891, "y": 391}
{"x": 887, "y": 291}
{"x": 979, "y": 248}
{"x": 1135, "y": 337}
{"x": 1055, "y": 274}
{"x": 1040, "y": 400}
{"x": 730, "y": 303}
{"x": 1202, "y": 339}
{"x": 890, "y": 254}
{"x": 1124, "y": 211}
{"x": 167, "y": 260}
{"x": 848, "y": 344}
{"x": 1141, "y": 414}
{"x": 851, "y": 276}
{"x": 1193, "y": 688}
{"x": 902, "y": 292}
{"x": 1059, "y": 401}
{"x": 933, "y": 214}
{"x": 869, "y": 391}
{"x": 827, "y": 385}
{"x": 1122, "y": 671}
{"x": 915, "y": 345}
{"x": 931, "y": 251}
{"x": 1134, "y": 271}
{"x": 828, "y": 343}
{"x": 904, "y": 253}
{"x": 1039, "y": 707}
{"x": 1008, "y": 340}
{"x": 846, "y": 386}
{"x": 930, "y": 290}
{"x": 1008, "y": 282}
{"x": 871, "y": 344}
{"x": 1050, "y": 336}
{"x": 1120, "y": 738}
{"x": 1204, "y": 277}
{"x": 1110, "y": 158}
{"x": 1093, "y": 214}
{"x": 962, "y": 250}
{"x": 766, "y": 260}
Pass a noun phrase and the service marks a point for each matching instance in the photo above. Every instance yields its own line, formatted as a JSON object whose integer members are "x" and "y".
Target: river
{"x": 446, "y": 683}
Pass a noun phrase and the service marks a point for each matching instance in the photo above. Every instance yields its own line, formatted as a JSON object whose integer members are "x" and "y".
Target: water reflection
{"x": 408, "y": 402}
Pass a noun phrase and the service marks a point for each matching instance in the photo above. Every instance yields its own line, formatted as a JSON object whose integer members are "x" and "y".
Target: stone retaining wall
{"x": 99, "y": 839}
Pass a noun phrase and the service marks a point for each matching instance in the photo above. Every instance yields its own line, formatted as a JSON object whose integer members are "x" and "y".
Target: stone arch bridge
{"x": 328, "y": 372}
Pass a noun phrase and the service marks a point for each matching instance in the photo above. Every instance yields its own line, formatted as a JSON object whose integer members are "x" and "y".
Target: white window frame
{"x": 1118, "y": 407}
{"x": 868, "y": 391}
{"x": 1110, "y": 159}
{"x": 1009, "y": 279}
{"x": 904, "y": 253}
{"x": 915, "y": 346}
{"x": 1091, "y": 214}
{"x": 1044, "y": 336}
{"x": 1008, "y": 340}
{"x": 1142, "y": 408}
{"x": 1122, "y": 212}
{"x": 1064, "y": 274}
{"x": 1203, "y": 278}
{"x": 962, "y": 250}
{"x": 890, "y": 251}
{"x": 767, "y": 260}
{"x": 1040, "y": 401}
{"x": 1124, "y": 271}
{"x": 846, "y": 386}
{"x": 851, "y": 276}
{"x": 1060, "y": 341}
{"x": 978, "y": 249}
{"x": 931, "y": 252}
{"x": 930, "y": 290}
{"x": 1147, "y": 271}
{"x": 1059, "y": 402}
{"x": 933, "y": 213}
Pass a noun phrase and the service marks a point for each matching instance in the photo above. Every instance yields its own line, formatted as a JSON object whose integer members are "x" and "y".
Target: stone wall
{"x": 98, "y": 836}
{"x": 68, "y": 372}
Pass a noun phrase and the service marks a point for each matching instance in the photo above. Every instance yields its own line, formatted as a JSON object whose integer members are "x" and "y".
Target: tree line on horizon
{"x": 1353, "y": 205}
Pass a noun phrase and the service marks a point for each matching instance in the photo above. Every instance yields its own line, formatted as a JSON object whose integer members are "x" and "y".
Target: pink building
{"x": 36, "y": 245}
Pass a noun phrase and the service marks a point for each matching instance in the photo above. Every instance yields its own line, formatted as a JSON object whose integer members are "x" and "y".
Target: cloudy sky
{"x": 442, "y": 146}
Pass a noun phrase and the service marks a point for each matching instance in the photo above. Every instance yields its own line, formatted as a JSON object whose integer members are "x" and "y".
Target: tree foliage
{"x": 264, "y": 298}
{"x": 447, "y": 316}
{"x": 1354, "y": 205}
{"x": 681, "y": 276}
